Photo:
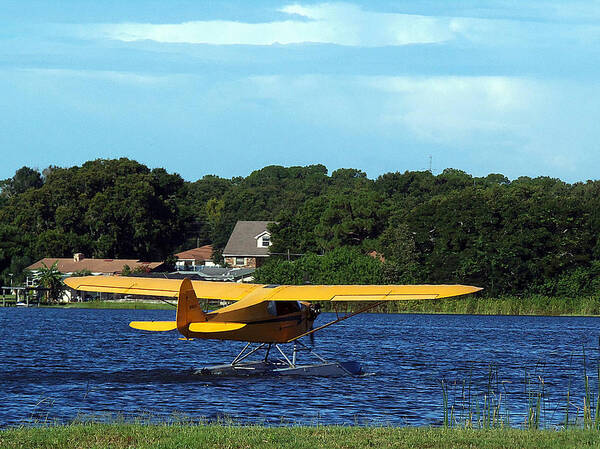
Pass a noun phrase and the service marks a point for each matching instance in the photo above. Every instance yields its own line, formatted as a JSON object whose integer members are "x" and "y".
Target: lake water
{"x": 58, "y": 365}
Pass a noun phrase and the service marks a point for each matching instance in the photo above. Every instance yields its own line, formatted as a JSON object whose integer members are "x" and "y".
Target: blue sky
{"x": 227, "y": 87}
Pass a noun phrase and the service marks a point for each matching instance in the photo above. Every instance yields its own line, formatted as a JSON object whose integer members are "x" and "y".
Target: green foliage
{"x": 105, "y": 208}
{"x": 530, "y": 235}
{"x": 341, "y": 266}
{"x": 170, "y": 262}
{"x": 51, "y": 278}
{"x": 24, "y": 179}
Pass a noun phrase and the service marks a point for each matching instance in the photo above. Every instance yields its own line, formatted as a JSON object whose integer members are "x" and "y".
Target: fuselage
{"x": 266, "y": 322}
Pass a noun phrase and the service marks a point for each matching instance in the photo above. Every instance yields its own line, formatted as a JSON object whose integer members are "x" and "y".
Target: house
{"x": 79, "y": 263}
{"x": 205, "y": 273}
{"x": 248, "y": 245}
{"x": 192, "y": 258}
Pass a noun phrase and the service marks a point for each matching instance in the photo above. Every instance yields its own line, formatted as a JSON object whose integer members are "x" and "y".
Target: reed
{"x": 489, "y": 407}
{"x": 471, "y": 409}
{"x": 481, "y": 305}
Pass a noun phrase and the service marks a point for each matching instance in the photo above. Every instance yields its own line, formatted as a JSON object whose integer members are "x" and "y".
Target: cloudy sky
{"x": 224, "y": 88}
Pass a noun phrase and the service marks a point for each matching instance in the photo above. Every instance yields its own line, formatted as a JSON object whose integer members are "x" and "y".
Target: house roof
{"x": 203, "y": 253}
{"x": 242, "y": 241}
{"x": 112, "y": 266}
{"x": 205, "y": 274}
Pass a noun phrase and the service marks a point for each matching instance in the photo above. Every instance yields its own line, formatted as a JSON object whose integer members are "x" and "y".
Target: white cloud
{"x": 341, "y": 24}
{"x": 438, "y": 109}
{"x": 505, "y": 122}
{"x": 349, "y": 25}
{"x": 514, "y": 125}
{"x": 455, "y": 109}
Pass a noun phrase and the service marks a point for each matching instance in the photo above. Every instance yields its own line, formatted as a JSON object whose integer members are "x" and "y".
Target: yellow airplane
{"x": 264, "y": 314}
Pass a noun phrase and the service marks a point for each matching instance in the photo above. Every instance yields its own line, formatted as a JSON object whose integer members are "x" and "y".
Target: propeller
{"x": 313, "y": 312}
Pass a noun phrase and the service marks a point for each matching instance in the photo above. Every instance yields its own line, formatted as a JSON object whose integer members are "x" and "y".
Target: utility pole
{"x": 430, "y": 164}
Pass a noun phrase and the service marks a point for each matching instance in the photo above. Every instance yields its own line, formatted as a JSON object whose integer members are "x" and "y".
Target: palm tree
{"x": 51, "y": 278}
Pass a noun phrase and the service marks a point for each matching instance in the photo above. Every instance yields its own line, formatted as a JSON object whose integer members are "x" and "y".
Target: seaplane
{"x": 263, "y": 316}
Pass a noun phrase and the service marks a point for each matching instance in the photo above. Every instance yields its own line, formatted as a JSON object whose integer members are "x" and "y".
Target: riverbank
{"x": 116, "y": 304}
{"x": 508, "y": 305}
{"x": 235, "y": 436}
{"x": 474, "y": 305}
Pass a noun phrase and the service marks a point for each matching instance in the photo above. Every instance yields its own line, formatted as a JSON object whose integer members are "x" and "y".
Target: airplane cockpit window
{"x": 277, "y": 308}
{"x": 285, "y": 307}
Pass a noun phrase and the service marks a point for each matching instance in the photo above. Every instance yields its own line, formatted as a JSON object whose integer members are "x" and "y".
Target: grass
{"x": 144, "y": 305}
{"x": 476, "y": 305}
{"x": 296, "y": 437}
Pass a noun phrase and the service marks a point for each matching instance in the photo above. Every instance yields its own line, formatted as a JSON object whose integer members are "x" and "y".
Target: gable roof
{"x": 108, "y": 266}
{"x": 242, "y": 241}
{"x": 203, "y": 253}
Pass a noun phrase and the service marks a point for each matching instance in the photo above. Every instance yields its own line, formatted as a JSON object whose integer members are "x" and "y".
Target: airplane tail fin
{"x": 188, "y": 308}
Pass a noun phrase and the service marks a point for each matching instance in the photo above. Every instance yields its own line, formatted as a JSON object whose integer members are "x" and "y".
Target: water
{"x": 58, "y": 364}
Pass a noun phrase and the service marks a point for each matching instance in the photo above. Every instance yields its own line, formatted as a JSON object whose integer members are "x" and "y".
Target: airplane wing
{"x": 168, "y": 288}
{"x": 255, "y": 293}
{"x": 323, "y": 293}
{"x": 367, "y": 292}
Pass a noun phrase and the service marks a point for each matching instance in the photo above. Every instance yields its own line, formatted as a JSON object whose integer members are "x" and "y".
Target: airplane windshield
{"x": 283, "y": 307}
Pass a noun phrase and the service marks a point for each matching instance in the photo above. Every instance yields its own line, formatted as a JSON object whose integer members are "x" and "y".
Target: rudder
{"x": 188, "y": 308}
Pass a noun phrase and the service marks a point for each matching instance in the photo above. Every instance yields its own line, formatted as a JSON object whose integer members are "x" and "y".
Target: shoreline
{"x": 534, "y": 305}
{"x": 505, "y": 306}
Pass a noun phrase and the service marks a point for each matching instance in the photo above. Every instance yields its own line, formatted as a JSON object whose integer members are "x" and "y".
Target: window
{"x": 266, "y": 240}
{"x": 278, "y": 308}
{"x": 286, "y": 307}
{"x": 240, "y": 261}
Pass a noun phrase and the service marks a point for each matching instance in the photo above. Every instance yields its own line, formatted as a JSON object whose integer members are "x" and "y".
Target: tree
{"x": 51, "y": 279}
{"x": 340, "y": 266}
{"x": 170, "y": 262}
{"x": 397, "y": 244}
{"x": 24, "y": 179}
{"x": 350, "y": 219}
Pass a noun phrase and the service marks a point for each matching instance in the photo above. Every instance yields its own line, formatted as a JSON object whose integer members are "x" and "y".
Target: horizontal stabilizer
{"x": 209, "y": 327}
{"x": 157, "y": 326}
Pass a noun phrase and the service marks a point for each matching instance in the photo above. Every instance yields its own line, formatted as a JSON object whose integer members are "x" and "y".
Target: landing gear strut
{"x": 281, "y": 366}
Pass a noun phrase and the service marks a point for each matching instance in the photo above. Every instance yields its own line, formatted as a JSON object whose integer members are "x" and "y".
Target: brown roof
{"x": 242, "y": 241}
{"x": 203, "y": 253}
{"x": 112, "y": 266}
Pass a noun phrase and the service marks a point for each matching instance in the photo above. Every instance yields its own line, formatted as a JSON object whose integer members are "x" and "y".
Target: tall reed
{"x": 488, "y": 406}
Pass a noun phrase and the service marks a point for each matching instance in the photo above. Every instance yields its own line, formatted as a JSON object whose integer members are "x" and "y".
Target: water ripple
{"x": 61, "y": 364}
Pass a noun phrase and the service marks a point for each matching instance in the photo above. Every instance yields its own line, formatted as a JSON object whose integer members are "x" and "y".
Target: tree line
{"x": 528, "y": 235}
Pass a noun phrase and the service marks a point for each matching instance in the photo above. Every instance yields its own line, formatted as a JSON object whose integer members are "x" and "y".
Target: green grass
{"x": 235, "y": 436}
{"x": 475, "y": 305}
{"x": 118, "y": 305}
